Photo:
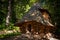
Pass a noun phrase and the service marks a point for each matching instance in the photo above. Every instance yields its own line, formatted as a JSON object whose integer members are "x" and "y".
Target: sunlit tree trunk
{"x": 9, "y": 13}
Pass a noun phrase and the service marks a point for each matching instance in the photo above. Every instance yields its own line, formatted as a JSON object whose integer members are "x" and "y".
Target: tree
{"x": 9, "y": 13}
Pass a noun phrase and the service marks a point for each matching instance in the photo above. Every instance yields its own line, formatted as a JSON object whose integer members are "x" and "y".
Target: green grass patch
{"x": 9, "y": 35}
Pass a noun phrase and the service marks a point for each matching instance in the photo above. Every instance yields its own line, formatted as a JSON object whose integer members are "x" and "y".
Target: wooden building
{"x": 36, "y": 21}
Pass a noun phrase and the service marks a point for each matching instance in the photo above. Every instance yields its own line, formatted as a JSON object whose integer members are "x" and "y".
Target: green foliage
{"x": 2, "y": 26}
{"x": 3, "y": 10}
{"x": 21, "y": 7}
{"x": 12, "y": 27}
{"x": 9, "y": 35}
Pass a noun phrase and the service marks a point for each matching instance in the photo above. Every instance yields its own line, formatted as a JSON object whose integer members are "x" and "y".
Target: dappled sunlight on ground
{"x": 29, "y": 36}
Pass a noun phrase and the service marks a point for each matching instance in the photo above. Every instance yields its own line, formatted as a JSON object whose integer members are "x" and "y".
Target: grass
{"x": 9, "y": 35}
{"x": 11, "y": 27}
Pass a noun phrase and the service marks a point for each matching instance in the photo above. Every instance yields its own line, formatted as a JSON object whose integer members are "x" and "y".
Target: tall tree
{"x": 9, "y": 13}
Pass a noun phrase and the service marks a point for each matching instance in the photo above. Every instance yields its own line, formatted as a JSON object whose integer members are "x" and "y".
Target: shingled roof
{"x": 35, "y": 14}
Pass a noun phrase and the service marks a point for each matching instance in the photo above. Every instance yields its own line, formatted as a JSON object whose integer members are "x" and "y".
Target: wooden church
{"x": 36, "y": 21}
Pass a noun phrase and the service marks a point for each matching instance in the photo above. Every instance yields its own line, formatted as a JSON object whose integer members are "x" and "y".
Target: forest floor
{"x": 24, "y": 37}
{"x": 21, "y": 37}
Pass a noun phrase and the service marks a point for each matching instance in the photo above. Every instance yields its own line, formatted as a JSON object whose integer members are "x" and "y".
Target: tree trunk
{"x": 9, "y": 13}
